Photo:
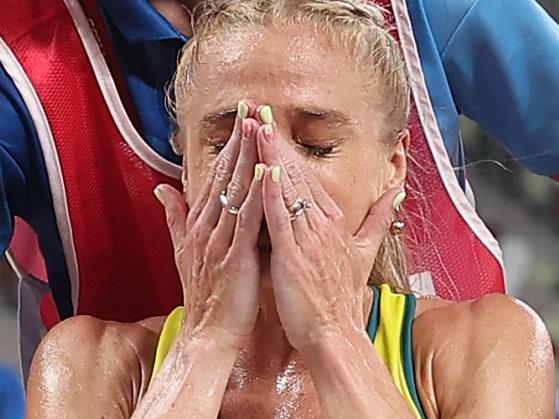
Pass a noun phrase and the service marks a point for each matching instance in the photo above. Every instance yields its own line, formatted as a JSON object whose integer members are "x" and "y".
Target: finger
{"x": 221, "y": 172}
{"x": 277, "y": 216}
{"x": 246, "y": 108}
{"x": 299, "y": 174}
{"x": 240, "y": 182}
{"x": 267, "y": 140}
{"x": 249, "y": 219}
{"x": 377, "y": 222}
{"x": 175, "y": 213}
{"x": 323, "y": 200}
{"x": 264, "y": 115}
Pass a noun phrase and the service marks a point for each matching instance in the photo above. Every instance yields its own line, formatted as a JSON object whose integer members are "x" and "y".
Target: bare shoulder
{"x": 83, "y": 354}
{"x": 480, "y": 349}
{"x": 494, "y": 316}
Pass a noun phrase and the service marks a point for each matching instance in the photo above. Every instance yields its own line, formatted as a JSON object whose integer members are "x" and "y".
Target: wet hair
{"x": 361, "y": 29}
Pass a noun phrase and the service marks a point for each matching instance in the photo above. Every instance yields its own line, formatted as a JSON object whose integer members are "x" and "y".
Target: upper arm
{"x": 501, "y": 58}
{"x": 16, "y": 161}
{"x": 86, "y": 367}
{"x": 496, "y": 361}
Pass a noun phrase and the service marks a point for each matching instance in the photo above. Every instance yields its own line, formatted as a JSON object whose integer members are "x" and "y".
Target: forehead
{"x": 282, "y": 66}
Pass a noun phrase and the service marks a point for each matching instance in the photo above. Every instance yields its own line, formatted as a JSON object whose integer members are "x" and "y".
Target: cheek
{"x": 354, "y": 186}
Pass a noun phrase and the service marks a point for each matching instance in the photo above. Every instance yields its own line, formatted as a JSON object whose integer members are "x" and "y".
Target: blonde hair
{"x": 359, "y": 27}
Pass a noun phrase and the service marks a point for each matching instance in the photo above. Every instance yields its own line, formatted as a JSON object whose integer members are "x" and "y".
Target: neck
{"x": 269, "y": 352}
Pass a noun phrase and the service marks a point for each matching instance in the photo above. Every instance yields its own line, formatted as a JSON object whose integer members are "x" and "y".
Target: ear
{"x": 176, "y": 143}
{"x": 398, "y": 161}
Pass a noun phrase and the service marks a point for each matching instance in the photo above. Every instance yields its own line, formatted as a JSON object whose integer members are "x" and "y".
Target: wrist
{"x": 216, "y": 340}
{"x": 328, "y": 341}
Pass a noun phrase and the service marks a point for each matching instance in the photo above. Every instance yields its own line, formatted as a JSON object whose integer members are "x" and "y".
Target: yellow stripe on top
{"x": 169, "y": 331}
{"x": 389, "y": 337}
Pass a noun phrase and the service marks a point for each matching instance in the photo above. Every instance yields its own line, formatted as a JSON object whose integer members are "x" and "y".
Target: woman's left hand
{"x": 319, "y": 270}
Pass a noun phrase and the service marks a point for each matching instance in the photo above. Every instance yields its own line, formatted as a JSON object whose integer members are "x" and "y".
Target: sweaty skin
{"x": 456, "y": 367}
{"x": 477, "y": 359}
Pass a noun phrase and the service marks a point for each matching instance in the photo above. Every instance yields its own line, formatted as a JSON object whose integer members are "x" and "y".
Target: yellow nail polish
{"x": 266, "y": 114}
{"x": 399, "y": 199}
{"x": 242, "y": 110}
{"x": 159, "y": 195}
{"x": 276, "y": 174}
{"x": 259, "y": 171}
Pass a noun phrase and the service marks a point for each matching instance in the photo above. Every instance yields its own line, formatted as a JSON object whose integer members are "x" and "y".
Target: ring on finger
{"x": 226, "y": 204}
{"x": 298, "y": 207}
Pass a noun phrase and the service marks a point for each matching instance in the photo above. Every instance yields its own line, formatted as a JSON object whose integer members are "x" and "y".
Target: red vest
{"x": 102, "y": 174}
{"x": 446, "y": 239}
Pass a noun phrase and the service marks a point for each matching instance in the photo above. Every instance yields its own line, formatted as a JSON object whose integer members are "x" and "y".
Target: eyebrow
{"x": 323, "y": 114}
{"x": 320, "y": 114}
{"x": 212, "y": 118}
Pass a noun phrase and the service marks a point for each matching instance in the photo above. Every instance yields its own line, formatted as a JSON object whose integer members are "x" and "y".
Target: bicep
{"x": 83, "y": 369}
{"x": 502, "y": 367}
{"x": 521, "y": 387}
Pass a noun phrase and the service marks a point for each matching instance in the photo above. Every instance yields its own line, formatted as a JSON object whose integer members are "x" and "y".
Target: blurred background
{"x": 520, "y": 208}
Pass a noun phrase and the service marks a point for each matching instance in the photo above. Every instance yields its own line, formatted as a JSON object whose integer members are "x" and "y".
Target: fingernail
{"x": 269, "y": 133}
{"x": 266, "y": 114}
{"x": 398, "y": 199}
{"x": 246, "y": 128}
{"x": 259, "y": 171}
{"x": 276, "y": 174}
{"x": 159, "y": 195}
{"x": 242, "y": 110}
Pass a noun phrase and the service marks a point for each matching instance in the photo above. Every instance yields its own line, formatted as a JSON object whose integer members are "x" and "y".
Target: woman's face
{"x": 320, "y": 106}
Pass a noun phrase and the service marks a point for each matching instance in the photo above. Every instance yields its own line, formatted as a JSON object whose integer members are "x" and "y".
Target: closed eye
{"x": 314, "y": 150}
{"x": 319, "y": 151}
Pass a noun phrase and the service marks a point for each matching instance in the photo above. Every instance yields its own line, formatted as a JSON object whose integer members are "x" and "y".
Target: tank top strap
{"x": 169, "y": 332}
{"x": 390, "y": 330}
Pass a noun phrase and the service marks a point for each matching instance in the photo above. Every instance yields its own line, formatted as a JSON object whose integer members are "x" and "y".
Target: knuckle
{"x": 276, "y": 193}
{"x": 236, "y": 187}
{"x": 294, "y": 171}
{"x": 323, "y": 230}
{"x": 338, "y": 218}
{"x": 290, "y": 195}
{"x": 200, "y": 235}
{"x": 211, "y": 253}
{"x": 222, "y": 169}
{"x": 283, "y": 226}
{"x": 244, "y": 221}
{"x": 231, "y": 262}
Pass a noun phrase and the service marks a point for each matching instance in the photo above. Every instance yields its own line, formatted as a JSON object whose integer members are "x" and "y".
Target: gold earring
{"x": 397, "y": 226}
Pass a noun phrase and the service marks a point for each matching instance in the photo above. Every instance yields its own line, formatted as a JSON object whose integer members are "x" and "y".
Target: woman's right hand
{"x": 216, "y": 252}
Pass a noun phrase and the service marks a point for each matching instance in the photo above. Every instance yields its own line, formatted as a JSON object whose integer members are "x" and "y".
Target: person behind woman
{"x": 296, "y": 302}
